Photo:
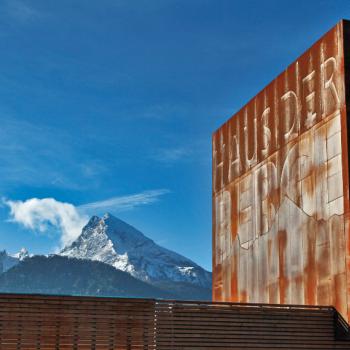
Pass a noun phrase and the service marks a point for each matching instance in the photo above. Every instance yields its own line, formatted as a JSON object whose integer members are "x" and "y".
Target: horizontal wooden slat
{"x": 38, "y": 322}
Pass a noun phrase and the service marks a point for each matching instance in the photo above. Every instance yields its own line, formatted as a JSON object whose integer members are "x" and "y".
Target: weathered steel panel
{"x": 281, "y": 188}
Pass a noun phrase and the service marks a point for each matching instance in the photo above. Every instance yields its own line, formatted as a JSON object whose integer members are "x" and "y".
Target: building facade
{"x": 281, "y": 186}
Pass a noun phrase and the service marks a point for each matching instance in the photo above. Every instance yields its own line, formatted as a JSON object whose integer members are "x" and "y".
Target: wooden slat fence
{"x": 185, "y": 325}
{"x": 34, "y": 322}
{"x": 75, "y": 323}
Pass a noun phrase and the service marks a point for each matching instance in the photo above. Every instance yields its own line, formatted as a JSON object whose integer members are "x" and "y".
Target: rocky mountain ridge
{"x": 114, "y": 242}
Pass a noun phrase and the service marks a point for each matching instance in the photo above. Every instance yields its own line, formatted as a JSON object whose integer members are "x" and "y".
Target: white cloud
{"x": 38, "y": 214}
{"x": 41, "y": 214}
{"x": 126, "y": 202}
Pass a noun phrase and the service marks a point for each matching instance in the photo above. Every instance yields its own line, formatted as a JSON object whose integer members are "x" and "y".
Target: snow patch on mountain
{"x": 8, "y": 261}
{"x": 117, "y": 243}
{"x": 22, "y": 254}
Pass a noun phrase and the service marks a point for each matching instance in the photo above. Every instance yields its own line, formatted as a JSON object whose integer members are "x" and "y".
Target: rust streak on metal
{"x": 282, "y": 245}
{"x": 281, "y": 187}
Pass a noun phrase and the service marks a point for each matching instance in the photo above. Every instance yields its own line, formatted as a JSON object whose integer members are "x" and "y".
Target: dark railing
{"x": 341, "y": 327}
{"x": 29, "y": 322}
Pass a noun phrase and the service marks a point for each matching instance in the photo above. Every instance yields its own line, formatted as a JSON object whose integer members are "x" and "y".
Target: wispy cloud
{"x": 125, "y": 202}
{"x": 21, "y": 11}
{"x": 37, "y": 155}
{"x": 171, "y": 155}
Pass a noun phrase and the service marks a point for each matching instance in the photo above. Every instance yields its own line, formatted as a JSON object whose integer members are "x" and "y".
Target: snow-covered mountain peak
{"x": 122, "y": 229}
{"x": 113, "y": 241}
{"x": 7, "y": 261}
{"x": 22, "y": 254}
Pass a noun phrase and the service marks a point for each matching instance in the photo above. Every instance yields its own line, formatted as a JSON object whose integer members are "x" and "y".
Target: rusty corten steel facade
{"x": 281, "y": 186}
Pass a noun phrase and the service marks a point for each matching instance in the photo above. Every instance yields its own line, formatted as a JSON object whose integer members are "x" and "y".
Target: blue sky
{"x": 110, "y": 105}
